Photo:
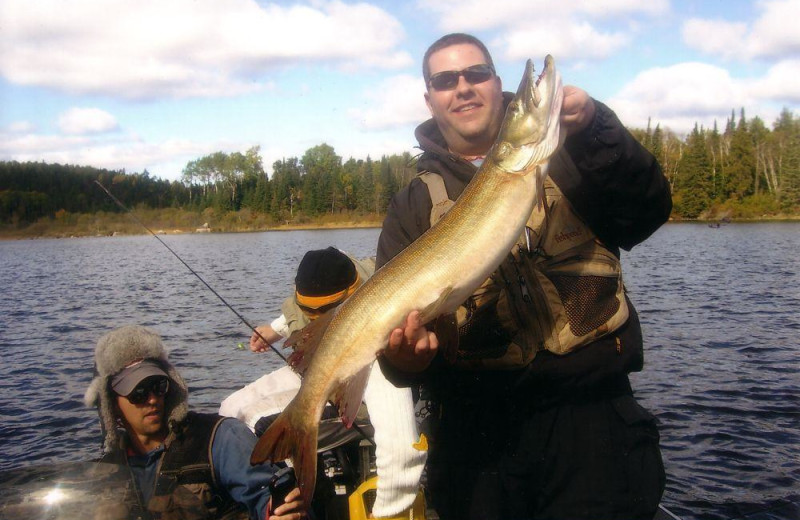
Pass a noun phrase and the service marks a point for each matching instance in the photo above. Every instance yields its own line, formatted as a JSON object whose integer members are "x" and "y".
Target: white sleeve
{"x": 280, "y": 326}
{"x": 399, "y": 460}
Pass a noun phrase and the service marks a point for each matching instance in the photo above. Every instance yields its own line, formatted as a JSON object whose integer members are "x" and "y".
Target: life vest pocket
{"x": 569, "y": 300}
{"x": 587, "y": 296}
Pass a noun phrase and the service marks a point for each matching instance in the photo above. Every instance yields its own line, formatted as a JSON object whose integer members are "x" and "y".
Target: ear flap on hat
{"x": 92, "y": 396}
{"x": 177, "y": 404}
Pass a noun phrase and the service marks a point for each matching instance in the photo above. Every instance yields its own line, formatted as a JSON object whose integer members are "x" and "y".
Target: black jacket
{"x": 617, "y": 187}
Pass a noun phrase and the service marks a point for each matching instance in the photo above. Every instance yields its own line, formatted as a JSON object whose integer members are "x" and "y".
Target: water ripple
{"x": 718, "y": 309}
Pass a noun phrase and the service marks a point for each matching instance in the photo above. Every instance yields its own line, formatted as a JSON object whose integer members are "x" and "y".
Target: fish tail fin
{"x": 287, "y": 439}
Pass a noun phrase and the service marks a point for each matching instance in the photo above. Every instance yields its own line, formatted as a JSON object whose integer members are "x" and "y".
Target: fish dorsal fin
{"x": 305, "y": 341}
{"x": 347, "y": 396}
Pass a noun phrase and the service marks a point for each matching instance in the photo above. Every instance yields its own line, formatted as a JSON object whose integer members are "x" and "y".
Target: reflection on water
{"x": 65, "y": 491}
{"x": 719, "y": 309}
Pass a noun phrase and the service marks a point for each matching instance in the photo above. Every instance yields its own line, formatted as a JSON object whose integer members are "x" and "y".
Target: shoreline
{"x": 21, "y": 235}
{"x": 66, "y": 234}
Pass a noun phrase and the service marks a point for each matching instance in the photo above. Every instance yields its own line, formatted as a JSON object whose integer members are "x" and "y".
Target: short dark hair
{"x": 447, "y": 41}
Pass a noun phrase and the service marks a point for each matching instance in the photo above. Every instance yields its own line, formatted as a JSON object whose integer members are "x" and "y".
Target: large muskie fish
{"x": 434, "y": 275}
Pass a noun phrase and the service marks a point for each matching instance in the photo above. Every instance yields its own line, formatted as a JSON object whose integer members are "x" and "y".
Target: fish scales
{"x": 434, "y": 275}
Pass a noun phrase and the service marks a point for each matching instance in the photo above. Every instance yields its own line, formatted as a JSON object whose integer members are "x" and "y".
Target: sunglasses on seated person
{"x": 158, "y": 386}
{"x": 448, "y": 79}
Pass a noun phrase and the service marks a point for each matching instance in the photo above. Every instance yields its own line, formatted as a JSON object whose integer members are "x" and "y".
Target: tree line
{"x": 745, "y": 170}
{"x": 318, "y": 183}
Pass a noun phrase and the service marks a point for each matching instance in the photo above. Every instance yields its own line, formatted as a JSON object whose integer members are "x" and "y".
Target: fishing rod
{"x": 228, "y": 305}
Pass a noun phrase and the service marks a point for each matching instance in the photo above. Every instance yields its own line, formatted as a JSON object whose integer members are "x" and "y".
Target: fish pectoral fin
{"x": 436, "y": 307}
{"x": 305, "y": 341}
{"x": 348, "y": 396}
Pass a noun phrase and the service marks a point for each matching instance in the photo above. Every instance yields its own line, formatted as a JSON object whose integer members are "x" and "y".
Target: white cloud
{"x": 86, "y": 121}
{"x": 476, "y": 15}
{"x": 163, "y": 159}
{"x": 569, "y": 29}
{"x": 775, "y": 33}
{"x": 562, "y": 38}
{"x": 679, "y": 96}
{"x": 716, "y": 37}
{"x": 20, "y": 127}
{"x": 781, "y": 83}
{"x": 185, "y": 48}
{"x": 397, "y": 101}
{"x": 772, "y": 35}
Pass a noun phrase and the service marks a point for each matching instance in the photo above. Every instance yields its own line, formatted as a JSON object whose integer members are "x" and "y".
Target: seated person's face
{"x": 143, "y": 409}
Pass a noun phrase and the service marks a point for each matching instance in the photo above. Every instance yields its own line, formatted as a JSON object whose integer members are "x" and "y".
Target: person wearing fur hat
{"x": 182, "y": 464}
{"x": 326, "y": 278}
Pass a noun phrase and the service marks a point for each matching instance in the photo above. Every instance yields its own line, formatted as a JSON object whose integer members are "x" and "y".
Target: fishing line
{"x": 238, "y": 315}
{"x": 129, "y": 212}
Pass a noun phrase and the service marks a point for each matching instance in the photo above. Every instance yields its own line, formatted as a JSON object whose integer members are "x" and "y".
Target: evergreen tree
{"x": 783, "y": 165}
{"x": 760, "y": 137}
{"x": 366, "y": 192}
{"x": 714, "y": 144}
{"x": 740, "y": 165}
{"x": 693, "y": 186}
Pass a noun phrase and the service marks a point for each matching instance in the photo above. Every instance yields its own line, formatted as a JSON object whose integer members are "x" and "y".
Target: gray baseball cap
{"x": 126, "y": 380}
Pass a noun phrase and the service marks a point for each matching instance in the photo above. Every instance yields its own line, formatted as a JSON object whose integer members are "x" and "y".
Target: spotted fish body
{"x": 434, "y": 275}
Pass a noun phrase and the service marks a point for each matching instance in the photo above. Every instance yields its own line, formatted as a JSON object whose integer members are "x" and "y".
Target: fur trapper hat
{"x": 115, "y": 351}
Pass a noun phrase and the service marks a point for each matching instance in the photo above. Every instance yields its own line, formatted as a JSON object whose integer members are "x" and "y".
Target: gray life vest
{"x": 559, "y": 289}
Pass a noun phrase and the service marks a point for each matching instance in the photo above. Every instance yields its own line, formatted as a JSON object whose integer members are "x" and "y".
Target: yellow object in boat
{"x": 363, "y": 498}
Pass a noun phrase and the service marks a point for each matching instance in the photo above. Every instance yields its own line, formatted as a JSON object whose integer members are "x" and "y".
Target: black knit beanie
{"x": 324, "y": 272}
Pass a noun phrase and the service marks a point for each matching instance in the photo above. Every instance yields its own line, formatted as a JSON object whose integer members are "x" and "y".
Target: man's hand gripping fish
{"x": 434, "y": 275}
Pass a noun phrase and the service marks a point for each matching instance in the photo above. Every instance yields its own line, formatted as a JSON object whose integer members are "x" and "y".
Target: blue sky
{"x": 153, "y": 84}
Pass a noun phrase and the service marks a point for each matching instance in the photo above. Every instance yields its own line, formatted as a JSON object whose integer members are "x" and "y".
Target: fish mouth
{"x": 531, "y": 126}
{"x": 534, "y": 88}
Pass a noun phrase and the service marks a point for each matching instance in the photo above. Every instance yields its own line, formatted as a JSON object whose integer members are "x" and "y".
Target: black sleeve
{"x": 613, "y": 182}
{"x": 407, "y": 218}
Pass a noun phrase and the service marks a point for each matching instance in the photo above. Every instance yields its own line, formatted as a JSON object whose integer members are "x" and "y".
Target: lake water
{"x": 719, "y": 307}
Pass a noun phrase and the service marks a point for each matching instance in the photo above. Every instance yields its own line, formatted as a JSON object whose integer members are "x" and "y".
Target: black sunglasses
{"x": 158, "y": 387}
{"x": 448, "y": 79}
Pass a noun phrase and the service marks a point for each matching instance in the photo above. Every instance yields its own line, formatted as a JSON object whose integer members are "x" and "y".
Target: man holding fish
{"x": 519, "y": 281}
{"x": 530, "y": 373}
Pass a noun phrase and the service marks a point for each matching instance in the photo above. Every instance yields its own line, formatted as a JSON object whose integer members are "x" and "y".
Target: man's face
{"x": 145, "y": 419}
{"x": 468, "y": 116}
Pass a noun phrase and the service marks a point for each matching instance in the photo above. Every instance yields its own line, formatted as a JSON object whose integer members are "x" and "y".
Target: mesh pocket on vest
{"x": 589, "y": 301}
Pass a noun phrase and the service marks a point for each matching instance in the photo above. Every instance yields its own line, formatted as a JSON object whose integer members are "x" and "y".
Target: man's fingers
{"x": 395, "y": 339}
{"x": 433, "y": 341}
